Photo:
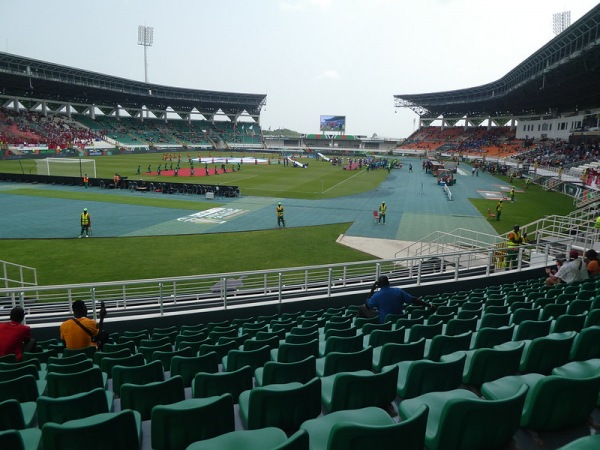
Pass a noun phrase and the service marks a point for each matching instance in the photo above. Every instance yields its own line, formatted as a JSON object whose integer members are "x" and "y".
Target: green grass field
{"x": 60, "y": 261}
{"x": 267, "y": 180}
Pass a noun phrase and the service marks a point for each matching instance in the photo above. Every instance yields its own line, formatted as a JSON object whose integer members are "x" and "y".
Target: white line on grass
{"x": 343, "y": 181}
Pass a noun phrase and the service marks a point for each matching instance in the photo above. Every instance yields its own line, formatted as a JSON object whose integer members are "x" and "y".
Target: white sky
{"x": 311, "y": 57}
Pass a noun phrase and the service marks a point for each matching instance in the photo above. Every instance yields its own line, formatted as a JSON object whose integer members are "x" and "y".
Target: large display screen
{"x": 333, "y": 123}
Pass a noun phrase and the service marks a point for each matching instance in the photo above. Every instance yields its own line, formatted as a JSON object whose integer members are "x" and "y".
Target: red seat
{"x": 375, "y": 216}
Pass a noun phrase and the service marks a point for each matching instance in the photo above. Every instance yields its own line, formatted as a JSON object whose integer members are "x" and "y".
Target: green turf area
{"x": 320, "y": 180}
{"x": 529, "y": 206}
{"x": 64, "y": 261}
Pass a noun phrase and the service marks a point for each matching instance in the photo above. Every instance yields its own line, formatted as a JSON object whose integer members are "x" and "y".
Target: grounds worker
{"x": 86, "y": 223}
{"x": 515, "y": 239}
{"x": 382, "y": 210}
{"x": 280, "y": 219}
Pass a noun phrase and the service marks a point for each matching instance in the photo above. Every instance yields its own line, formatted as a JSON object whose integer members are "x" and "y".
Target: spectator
{"x": 15, "y": 338}
{"x": 593, "y": 263}
{"x": 389, "y": 300}
{"x": 80, "y": 332}
{"x": 581, "y": 266}
{"x": 567, "y": 271}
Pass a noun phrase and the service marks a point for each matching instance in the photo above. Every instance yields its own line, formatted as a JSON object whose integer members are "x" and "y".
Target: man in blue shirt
{"x": 390, "y": 300}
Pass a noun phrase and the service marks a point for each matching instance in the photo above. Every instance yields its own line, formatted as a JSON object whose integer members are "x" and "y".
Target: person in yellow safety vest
{"x": 86, "y": 181}
{"x": 86, "y": 223}
{"x": 280, "y": 219}
{"x": 515, "y": 239}
{"x": 382, "y": 211}
{"x": 597, "y": 225}
{"x": 498, "y": 209}
{"x": 512, "y": 194}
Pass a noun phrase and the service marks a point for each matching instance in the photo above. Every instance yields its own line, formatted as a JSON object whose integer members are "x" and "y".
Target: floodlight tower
{"x": 145, "y": 38}
{"x": 561, "y": 21}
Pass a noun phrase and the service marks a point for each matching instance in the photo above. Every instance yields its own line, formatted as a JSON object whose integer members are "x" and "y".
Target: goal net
{"x": 66, "y": 167}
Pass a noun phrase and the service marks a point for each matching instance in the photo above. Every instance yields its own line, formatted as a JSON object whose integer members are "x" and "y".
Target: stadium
{"x": 220, "y": 322}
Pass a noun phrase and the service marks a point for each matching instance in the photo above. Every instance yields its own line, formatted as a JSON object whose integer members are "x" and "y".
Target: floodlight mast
{"x": 561, "y": 21}
{"x": 145, "y": 38}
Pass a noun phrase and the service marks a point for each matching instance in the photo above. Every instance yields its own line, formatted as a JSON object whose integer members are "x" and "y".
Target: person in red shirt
{"x": 15, "y": 338}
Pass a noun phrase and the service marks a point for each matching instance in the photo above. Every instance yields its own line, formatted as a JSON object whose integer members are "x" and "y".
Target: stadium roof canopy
{"x": 29, "y": 78}
{"x": 562, "y": 76}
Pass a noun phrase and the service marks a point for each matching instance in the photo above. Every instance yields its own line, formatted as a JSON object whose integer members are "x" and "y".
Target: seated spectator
{"x": 566, "y": 273}
{"x": 80, "y": 332}
{"x": 593, "y": 263}
{"x": 15, "y": 338}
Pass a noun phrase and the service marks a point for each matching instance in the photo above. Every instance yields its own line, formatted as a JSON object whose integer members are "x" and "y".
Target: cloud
{"x": 329, "y": 74}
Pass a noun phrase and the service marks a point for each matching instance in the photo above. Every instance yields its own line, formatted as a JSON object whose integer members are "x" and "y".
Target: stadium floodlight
{"x": 561, "y": 21}
{"x": 145, "y": 38}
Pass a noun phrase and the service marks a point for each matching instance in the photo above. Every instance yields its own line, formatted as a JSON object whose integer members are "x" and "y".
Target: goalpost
{"x": 66, "y": 167}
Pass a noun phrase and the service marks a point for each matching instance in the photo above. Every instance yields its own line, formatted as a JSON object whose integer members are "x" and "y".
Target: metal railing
{"x": 17, "y": 275}
{"x": 132, "y": 299}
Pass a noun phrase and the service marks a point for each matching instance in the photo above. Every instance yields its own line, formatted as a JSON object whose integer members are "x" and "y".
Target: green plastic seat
{"x": 488, "y": 364}
{"x": 17, "y": 365}
{"x": 237, "y": 340}
{"x": 269, "y": 406}
{"x": 360, "y": 321}
{"x": 419, "y": 377}
{"x": 100, "y": 355}
{"x": 67, "y": 360}
{"x": 585, "y": 345}
{"x": 236, "y": 359}
{"x": 165, "y": 357}
{"x": 212, "y": 384}
{"x": 368, "y": 328}
{"x": 63, "y": 384}
{"x": 87, "y": 351}
{"x": 345, "y": 362}
{"x": 125, "y": 345}
{"x": 393, "y": 353}
{"x": 308, "y": 329}
{"x": 292, "y": 338}
{"x": 494, "y": 320}
{"x": 443, "y": 345}
{"x": 492, "y": 308}
{"x": 76, "y": 406}
{"x": 593, "y": 318}
{"x": 175, "y": 426}
{"x": 338, "y": 325}
{"x": 117, "y": 431}
{"x": 274, "y": 372}
{"x": 521, "y": 314}
{"x": 220, "y": 349}
{"x": 193, "y": 346}
{"x": 436, "y": 317}
{"x": 189, "y": 337}
{"x": 541, "y": 355}
{"x": 107, "y": 364}
{"x": 553, "y": 310}
{"x": 17, "y": 415}
{"x": 377, "y": 338}
{"x": 584, "y": 443}
{"x": 345, "y": 332}
{"x": 579, "y": 306}
{"x": 569, "y": 322}
{"x": 341, "y": 345}
{"x": 255, "y": 343}
{"x": 216, "y": 334}
{"x": 366, "y": 428}
{"x": 70, "y": 368}
{"x": 354, "y": 390}
{"x": 147, "y": 373}
{"x": 149, "y": 351}
{"x": 24, "y": 389}
{"x": 143, "y": 397}
{"x": 489, "y": 337}
{"x": 269, "y": 438}
{"x": 188, "y": 366}
{"x": 553, "y": 402}
{"x": 460, "y": 420}
{"x": 170, "y": 335}
{"x": 407, "y": 323}
{"x": 28, "y": 439}
{"x": 417, "y": 332}
{"x": 288, "y": 352}
{"x": 17, "y": 371}
{"x": 459, "y": 326}
{"x": 531, "y": 329}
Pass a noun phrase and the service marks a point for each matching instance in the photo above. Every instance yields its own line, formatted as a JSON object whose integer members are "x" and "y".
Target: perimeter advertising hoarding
{"x": 333, "y": 123}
